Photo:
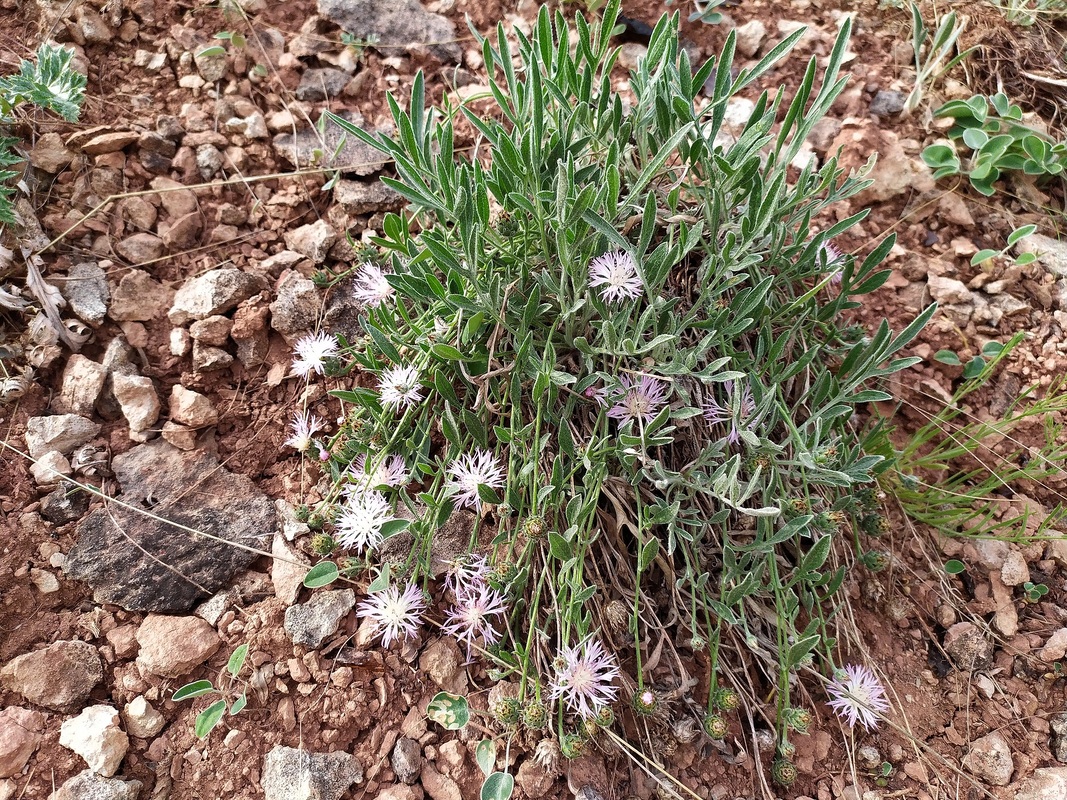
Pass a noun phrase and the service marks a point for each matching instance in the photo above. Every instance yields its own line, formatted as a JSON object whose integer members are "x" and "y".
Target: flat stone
{"x": 438, "y": 785}
{"x": 359, "y": 197}
{"x": 141, "y": 248}
{"x": 213, "y": 331}
{"x": 175, "y": 198}
{"x": 138, "y": 400}
{"x": 1015, "y": 571}
{"x": 989, "y": 759}
{"x": 310, "y": 149}
{"x": 1058, "y": 742}
{"x": 138, "y": 297}
{"x": 1045, "y": 784}
{"x": 313, "y": 241}
{"x": 140, "y": 563}
{"x": 949, "y": 291}
{"x": 110, "y": 142}
{"x": 287, "y": 570}
{"x": 291, "y": 774}
{"x": 1056, "y": 646}
{"x": 395, "y": 23}
{"x": 181, "y": 436}
{"x": 91, "y": 26}
{"x": 407, "y": 760}
{"x": 321, "y": 84}
{"x": 191, "y": 408}
{"x": 296, "y": 309}
{"x": 83, "y": 380}
{"x": 85, "y": 288}
{"x": 184, "y": 232}
{"x": 214, "y": 292}
{"x": 50, "y": 154}
{"x": 58, "y": 677}
{"x": 45, "y": 581}
{"x": 64, "y": 504}
{"x": 95, "y": 735}
{"x": 311, "y": 623}
{"x": 142, "y": 720}
{"x": 750, "y": 37}
{"x": 209, "y": 359}
{"x": 968, "y": 647}
{"x": 212, "y": 68}
{"x": 174, "y": 646}
{"x": 443, "y": 661}
{"x": 20, "y": 735}
{"x": 62, "y": 432}
{"x": 90, "y": 786}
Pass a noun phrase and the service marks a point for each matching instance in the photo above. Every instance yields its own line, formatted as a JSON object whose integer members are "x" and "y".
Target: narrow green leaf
{"x": 237, "y": 660}
{"x": 194, "y": 689}
{"x": 239, "y": 704}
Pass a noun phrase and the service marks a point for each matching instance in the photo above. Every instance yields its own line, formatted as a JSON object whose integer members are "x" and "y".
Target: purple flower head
{"x": 371, "y": 288}
{"x": 640, "y": 400}
{"x": 829, "y": 258}
{"x": 616, "y": 272}
{"x": 598, "y": 395}
{"x": 302, "y": 428}
{"x": 469, "y": 471}
{"x": 468, "y": 620}
{"x": 856, "y": 695}
{"x": 396, "y": 614}
{"x": 583, "y": 680}
{"x": 738, "y": 409}
{"x": 359, "y": 527}
{"x": 399, "y": 387}
{"x": 312, "y": 351}
{"x": 391, "y": 472}
{"x": 466, "y": 572}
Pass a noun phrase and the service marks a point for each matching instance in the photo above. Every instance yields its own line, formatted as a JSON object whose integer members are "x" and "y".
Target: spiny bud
{"x": 302, "y": 512}
{"x": 535, "y": 527}
{"x": 507, "y": 710}
{"x": 605, "y": 717}
{"x": 617, "y": 615}
{"x": 715, "y": 726}
{"x": 874, "y": 525}
{"x": 571, "y": 745}
{"x": 784, "y": 772}
{"x": 316, "y": 521}
{"x": 645, "y": 702}
{"x": 797, "y": 719}
{"x": 786, "y": 749}
{"x": 727, "y": 699}
{"x": 589, "y": 729}
{"x": 534, "y": 715}
{"x": 323, "y": 544}
{"x": 799, "y": 505}
{"x": 875, "y": 560}
{"x": 503, "y": 574}
{"x": 698, "y": 642}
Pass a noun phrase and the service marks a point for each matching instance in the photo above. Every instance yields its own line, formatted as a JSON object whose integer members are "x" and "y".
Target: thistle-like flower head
{"x": 312, "y": 351}
{"x": 856, "y": 695}
{"x": 738, "y": 410}
{"x": 359, "y": 527}
{"x": 469, "y": 619}
{"x": 391, "y": 472}
{"x": 583, "y": 678}
{"x": 642, "y": 399}
{"x": 616, "y": 273}
{"x": 396, "y": 615}
{"x": 371, "y": 288}
{"x": 301, "y": 429}
{"x": 469, "y": 471}
{"x": 399, "y": 387}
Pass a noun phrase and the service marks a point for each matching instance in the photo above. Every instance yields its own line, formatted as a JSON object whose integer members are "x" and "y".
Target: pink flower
{"x": 395, "y": 615}
{"x": 856, "y": 695}
{"x": 583, "y": 680}
{"x": 738, "y": 411}
{"x": 468, "y": 620}
{"x": 399, "y": 387}
{"x": 641, "y": 399}
{"x": 312, "y": 351}
{"x": 617, "y": 273}
{"x": 302, "y": 428}
{"x": 371, "y": 287}
{"x": 391, "y": 472}
{"x": 469, "y": 471}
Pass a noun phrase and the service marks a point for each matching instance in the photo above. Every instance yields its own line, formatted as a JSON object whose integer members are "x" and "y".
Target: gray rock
{"x": 214, "y": 292}
{"x": 50, "y": 154}
{"x": 312, "y": 241}
{"x": 184, "y": 232}
{"x": 588, "y": 792}
{"x": 209, "y": 359}
{"x": 91, "y": 26}
{"x": 138, "y": 400}
{"x": 296, "y": 310}
{"x": 311, "y": 623}
{"x": 64, "y": 505}
{"x": 208, "y": 161}
{"x": 396, "y": 23}
{"x": 146, "y": 565}
{"x": 59, "y": 677}
{"x": 83, "y": 380}
{"x": 332, "y": 149}
{"x": 1045, "y": 784}
{"x": 90, "y": 786}
{"x": 287, "y": 570}
{"x": 86, "y": 290}
{"x": 1015, "y": 571}
{"x": 212, "y": 68}
{"x": 20, "y": 735}
{"x": 1058, "y": 744}
{"x": 320, "y": 84}
{"x": 1052, "y": 253}
{"x": 407, "y": 759}
{"x": 886, "y": 103}
{"x": 990, "y": 760}
{"x": 443, "y": 661}
{"x": 138, "y": 297}
{"x": 949, "y": 291}
{"x": 141, "y": 248}
{"x": 968, "y": 647}
{"x": 116, "y": 361}
{"x": 750, "y": 37}
{"x": 95, "y": 735}
{"x": 291, "y": 774}
{"x": 62, "y": 432}
{"x": 359, "y": 197}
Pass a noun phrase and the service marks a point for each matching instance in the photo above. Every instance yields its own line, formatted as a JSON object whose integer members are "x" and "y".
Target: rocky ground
{"x": 183, "y": 220}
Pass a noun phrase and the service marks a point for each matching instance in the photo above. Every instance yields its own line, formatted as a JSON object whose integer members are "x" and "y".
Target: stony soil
{"x": 183, "y": 223}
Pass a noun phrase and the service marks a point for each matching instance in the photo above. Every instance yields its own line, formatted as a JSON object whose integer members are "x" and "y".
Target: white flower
{"x": 583, "y": 681}
{"x": 399, "y": 387}
{"x": 312, "y": 352}
{"x": 371, "y": 288}
{"x": 617, "y": 273}
{"x": 470, "y": 470}
{"x": 391, "y": 472}
{"x": 360, "y": 525}
{"x": 395, "y": 615}
{"x": 302, "y": 428}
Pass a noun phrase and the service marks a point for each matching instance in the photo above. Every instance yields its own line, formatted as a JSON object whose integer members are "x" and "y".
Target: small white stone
{"x": 138, "y": 400}
{"x": 49, "y": 468}
{"x": 1014, "y": 572}
{"x": 142, "y": 721}
{"x": 180, "y": 342}
{"x": 95, "y": 735}
{"x": 1056, "y": 646}
{"x": 44, "y": 580}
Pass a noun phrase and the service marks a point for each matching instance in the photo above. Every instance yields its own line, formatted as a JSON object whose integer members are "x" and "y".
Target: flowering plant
{"x": 613, "y": 343}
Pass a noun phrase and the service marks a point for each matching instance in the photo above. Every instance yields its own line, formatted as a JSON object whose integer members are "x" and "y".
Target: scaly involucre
{"x": 312, "y": 351}
{"x": 583, "y": 682}
{"x": 470, "y": 470}
{"x": 396, "y": 615}
{"x": 739, "y": 411}
{"x": 856, "y": 695}
{"x": 359, "y": 527}
{"x": 616, "y": 273}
